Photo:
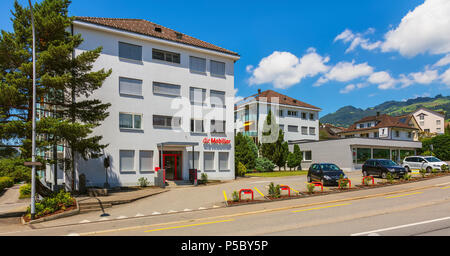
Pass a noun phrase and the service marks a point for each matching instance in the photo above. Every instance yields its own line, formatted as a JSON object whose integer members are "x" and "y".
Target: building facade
{"x": 430, "y": 121}
{"x": 298, "y": 120}
{"x": 171, "y": 101}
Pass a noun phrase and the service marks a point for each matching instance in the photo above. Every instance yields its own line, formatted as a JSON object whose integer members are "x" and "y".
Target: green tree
{"x": 441, "y": 146}
{"x": 64, "y": 84}
{"x": 245, "y": 152}
{"x": 298, "y": 156}
{"x": 291, "y": 161}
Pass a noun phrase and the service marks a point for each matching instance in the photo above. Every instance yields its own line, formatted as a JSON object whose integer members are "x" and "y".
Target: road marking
{"x": 215, "y": 206}
{"x": 156, "y": 213}
{"x": 172, "y": 211}
{"x": 445, "y": 187}
{"x": 202, "y": 208}
{"x": 187, "y": 210}
{"x": 403, "y": 195}
{"x": 140, "y": 215}
{"x": 104, "y": 218}
{"x": 399, "y": 227}
{"x": 257, "y": 190}
{"x": 121, "y": 217}
{"x": 225, "y": 196}
{"x": 318, "y": 208}
{"x": 191, "y": 225}
{"x": 84, "y": 221}
{"x": 73, "y": 234}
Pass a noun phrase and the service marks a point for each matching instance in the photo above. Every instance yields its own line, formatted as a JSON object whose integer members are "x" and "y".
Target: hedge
{"x": 6, "y": 182}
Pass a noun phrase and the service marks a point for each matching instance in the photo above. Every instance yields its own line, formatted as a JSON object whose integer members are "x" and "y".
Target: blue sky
{"x": 327, "y": 53}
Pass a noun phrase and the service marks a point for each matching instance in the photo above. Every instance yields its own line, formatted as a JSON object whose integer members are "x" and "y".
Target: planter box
{"x": 72, "y": 211}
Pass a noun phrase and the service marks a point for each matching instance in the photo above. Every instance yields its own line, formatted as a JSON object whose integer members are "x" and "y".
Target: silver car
{"x": 423, "y": 162}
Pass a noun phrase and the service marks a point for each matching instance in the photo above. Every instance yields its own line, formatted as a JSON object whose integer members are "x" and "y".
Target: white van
{"x": 423, "y": 162}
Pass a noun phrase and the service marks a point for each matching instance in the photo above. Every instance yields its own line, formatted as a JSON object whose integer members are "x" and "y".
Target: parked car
{"x": 423, "y": 162}
{"x": 328, "y": 174}
{"x": 381, "y": 167}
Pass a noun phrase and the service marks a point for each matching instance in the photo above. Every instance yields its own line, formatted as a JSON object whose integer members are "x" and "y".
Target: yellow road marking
{"x": 292, "y": 189}
{"x": 404, "y": 195}
{"x": 257, "y": 190}
{"x": 323, "y": 207}
{"x": 191, "y": 225}
{"x": 445, "y": 187}
{"x": 225, "y": 196}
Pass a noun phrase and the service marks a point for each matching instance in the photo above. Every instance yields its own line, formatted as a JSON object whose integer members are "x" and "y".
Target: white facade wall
{"x": 150, "y": 70}
{"x": 433, "y": 122}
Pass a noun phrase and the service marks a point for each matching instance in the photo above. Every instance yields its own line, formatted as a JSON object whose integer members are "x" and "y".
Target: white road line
{"x": 156, "y": 213}
{"x": 73, "y": 234}
{"x": 84, "y": 221}
{"x": 399, "y": 227}
{"x": 172, "y": 211}
{"x": 202, "y": 208}
{"x": 187, "y": 210}
{"x": 104, "y": 218}
{"x": 140, "y": 215}
{"x": 121, "y": 217}
{"x": 215, "y": 206}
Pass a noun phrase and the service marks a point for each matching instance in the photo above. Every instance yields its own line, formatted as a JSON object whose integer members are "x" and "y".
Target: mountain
{"x": 347, "y": 115}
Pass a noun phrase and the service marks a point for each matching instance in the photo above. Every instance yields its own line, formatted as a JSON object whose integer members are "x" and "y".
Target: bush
{"x": 343, "y": 182}
{"x": 25, "y": 191}
{"x": 264, "y": 165}
{"x": 274, "y": 191}
{"x": 242, "y": 170}
{"x": 6, "y": 182}
{"x": 60, "y": 201}
{"x": 407, "y": 176}
{"x": 444, "y": 168}
{"x": 390, "y": 177}
{"x": 310, "y": 187}
{"x": 204, "y": 178}
{"x": 235, "y": 196}
{"x": 143, "y": 182}
{"x": 423, "y": 172}
{"x": 368, "y": 181}
{"x": 15, "y": 168}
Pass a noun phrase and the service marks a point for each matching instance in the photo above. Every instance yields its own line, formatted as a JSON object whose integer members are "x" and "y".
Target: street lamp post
{"x": 33, "y": 143}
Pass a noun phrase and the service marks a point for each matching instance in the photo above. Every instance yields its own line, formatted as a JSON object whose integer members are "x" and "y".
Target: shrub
{"x": 343, "y": 182}
{"x": 274, "y": 191}
{"x": 143, "y": 182}
{"x": 235, "y": 196}
{"x": 204, "y": 178}
{"x": 368, "y": 180}
{"x": 25, "y": 191}
{"x": 444, "y": 168}
{"x": 310, "y": 187}
{"x": 390, "y": 177}
{"x": 242, "y": 170}
{"x": 6, "y": 182}
{"x": 423, "y": 172}
{"x": 264, "y": 165}
{"x": 407, "y": 176}
{"x": 15, "y": 168}
{"x": 434, "y": 171}
{"x": 59, "y": 201}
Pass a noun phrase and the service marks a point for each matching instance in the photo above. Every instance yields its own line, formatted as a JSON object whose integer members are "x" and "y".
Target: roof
{"x": 441, "y": 113}
{"x": 275, "y": 97}
{"x": 383, "y": 121}
{"x": 148, "y": 28}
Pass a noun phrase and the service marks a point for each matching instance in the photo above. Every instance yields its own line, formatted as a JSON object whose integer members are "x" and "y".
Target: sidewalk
{"x": 11, "y": 205}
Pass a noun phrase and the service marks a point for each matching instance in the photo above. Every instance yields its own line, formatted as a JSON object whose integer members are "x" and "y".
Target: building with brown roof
{"x": 297, "y": 119}
{"x": 430, "y": 121}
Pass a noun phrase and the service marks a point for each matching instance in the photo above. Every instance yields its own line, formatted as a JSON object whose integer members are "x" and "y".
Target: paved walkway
{"x": 10, "y": 204}
{"x": 122, "y": 197}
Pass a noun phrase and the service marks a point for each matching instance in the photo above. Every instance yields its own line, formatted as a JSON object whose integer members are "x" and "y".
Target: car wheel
{"x": 429, "y": 170}
{"x": 365, "y": 174}
{"x": 383, "y": 175}
{"x": 407, "y": 169}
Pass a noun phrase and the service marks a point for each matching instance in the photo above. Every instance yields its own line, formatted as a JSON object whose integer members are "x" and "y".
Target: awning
{"x": 178, "y": 144}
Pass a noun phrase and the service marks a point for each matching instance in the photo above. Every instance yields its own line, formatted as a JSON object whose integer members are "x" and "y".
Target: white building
{"x": 298, "y": 120}
{"x": 430, "y": 121}
{"x": 171, "y": 94}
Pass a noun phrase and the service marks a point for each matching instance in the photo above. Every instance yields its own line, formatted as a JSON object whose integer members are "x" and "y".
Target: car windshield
{"x": 329, "y": 167}
{"x": 387, "y": 163}
{"x": 432, "y": 159}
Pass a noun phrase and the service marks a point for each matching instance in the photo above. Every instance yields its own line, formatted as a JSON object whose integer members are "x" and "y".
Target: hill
{"x": 347, "y": 115}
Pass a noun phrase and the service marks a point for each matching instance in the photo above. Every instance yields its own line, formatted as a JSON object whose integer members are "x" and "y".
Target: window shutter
{"x": 130, "y": 86}
{"x": 126, "y": 160}
{"x": 146, "y": 161}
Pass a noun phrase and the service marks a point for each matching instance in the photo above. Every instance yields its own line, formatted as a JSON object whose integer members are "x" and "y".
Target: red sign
{"x": 222, "y": 141}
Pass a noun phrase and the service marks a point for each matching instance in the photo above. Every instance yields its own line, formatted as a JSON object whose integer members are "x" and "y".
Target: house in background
{"x": 329, "y": 132}
{"x": 430, "y": 121}
{"x": 380, "y": 136}
{"x": 298, "y": 120}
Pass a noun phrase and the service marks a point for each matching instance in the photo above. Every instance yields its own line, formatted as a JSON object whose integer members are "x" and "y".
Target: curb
{"x": 53, "y": 217}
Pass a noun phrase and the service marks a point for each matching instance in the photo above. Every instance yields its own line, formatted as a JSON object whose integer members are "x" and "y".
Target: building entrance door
{"x": 172, "y": 165}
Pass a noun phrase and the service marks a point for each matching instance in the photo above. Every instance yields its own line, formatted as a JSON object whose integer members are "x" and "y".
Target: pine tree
{"x": 298, "y": 156}
{"x": 62, "y": 79}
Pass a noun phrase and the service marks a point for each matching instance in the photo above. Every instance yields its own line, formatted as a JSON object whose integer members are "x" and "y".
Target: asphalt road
{"x": 421, "y": 209}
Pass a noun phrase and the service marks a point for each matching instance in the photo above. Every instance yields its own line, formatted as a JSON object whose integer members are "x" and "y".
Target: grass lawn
{"x": 277, "y": 174}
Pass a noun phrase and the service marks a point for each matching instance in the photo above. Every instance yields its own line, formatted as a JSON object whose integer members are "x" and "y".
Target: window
{"x": 303, "y": 115}
{"x": 422, "y": 117}
{"x": 362, "y": 155}
{"x": 197, "y": 96}
{"x": 282, "y": 127}
{"x": 304, "y": 130}
{"x": 369, "y": 125}
{"x": 130, "y": 121}
{"x": 197, "y": 126}
{"x": 409, "y": 134}
{"x": 292, "y": 113}
{"x": 311, "y": 116}
{"x": 208, "y": 161}
{"x": 421, "y": 123}
{"x": 427, "y": 130}
{"x": 381, "y": 153}
{"x": 197, "y": 64}
{"x": 217, "y": 68}
{"x": 438, "y": 122}
{"x": 166, "y": 121}
{"x": 126, "y": 158}
{"x": 223, "y": 161}
{"x": 292, "y": 128}
{"x": 166, "y": 89}
{"x": 397, "y": 134}
{"x": 128, "y": 86}
{"x": 145, "y": 161}
{"x": 307, "y": 156}
{"x": 166, "y": 56}
{"x": 361, "y": 126}
{"x": 376, "y": 134}
{"x": 217, "y": 99}
{"x": 130, "y": 51}
{"x": 312, "y": 131}
{"x": 195, "y": 164}
{"x": 280, "y": 113}
{"x": 217, "y": 126}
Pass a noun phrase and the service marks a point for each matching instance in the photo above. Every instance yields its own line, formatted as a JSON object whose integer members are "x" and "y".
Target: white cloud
{"x": 348, "y": 89}
{"x": 346, "y": 71}
{"x": 284, "y": 69}
{"x": 357, "y": 40}
{"x": 443, "y": 62}
{"x": 426, "y": 77}
{"x": 383, "y": 79}
{"x": 425, "y": 29}
{"x": 445, "y": 77}
{"x": 236, "y": 97}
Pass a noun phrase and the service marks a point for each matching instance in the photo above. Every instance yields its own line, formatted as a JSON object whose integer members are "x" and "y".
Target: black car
{"x": 328, "y": 174}
{"x": 381, "y": 167}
